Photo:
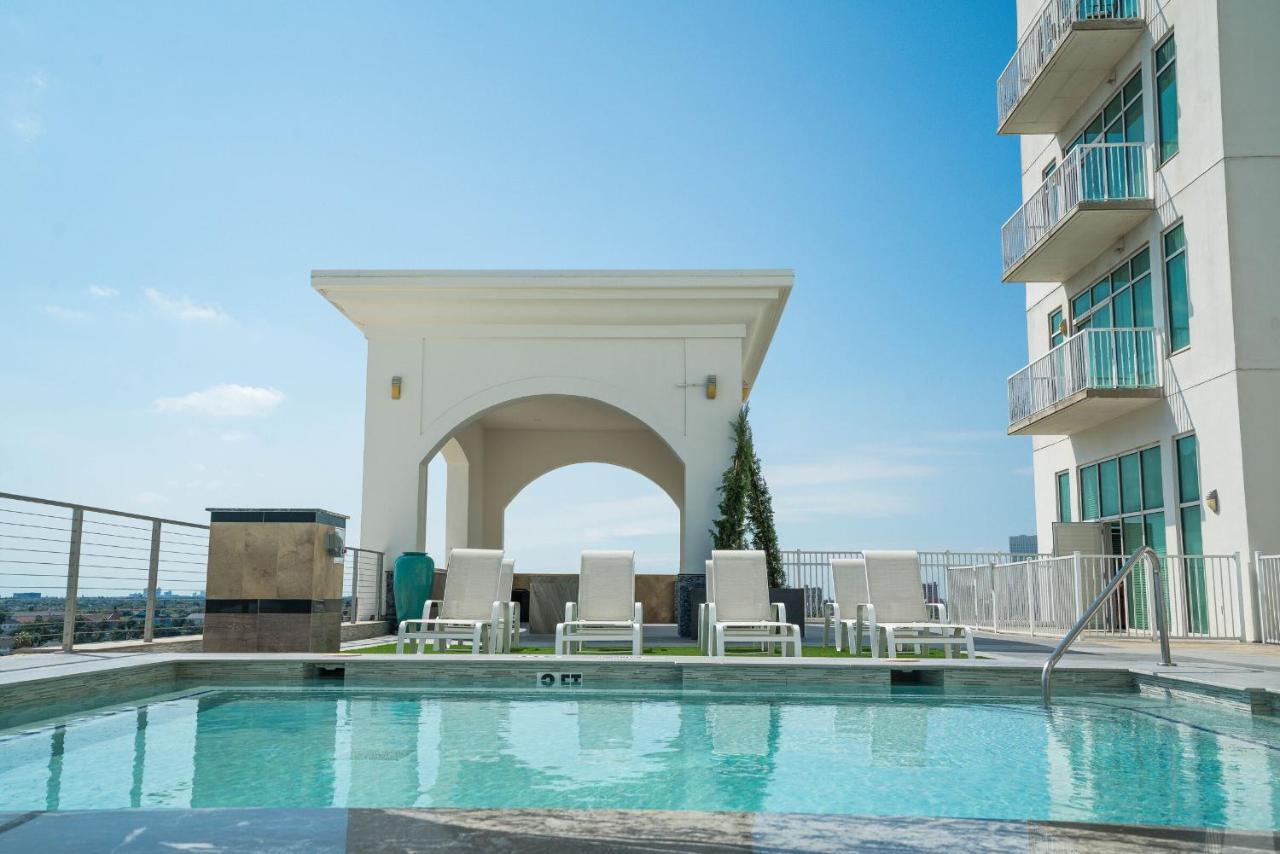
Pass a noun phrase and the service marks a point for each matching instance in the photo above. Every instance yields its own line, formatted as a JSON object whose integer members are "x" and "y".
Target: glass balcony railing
{"x": 1096, "y": 172}
{"x": 1049, "y": 28}
{"x": 1110, "y": 359}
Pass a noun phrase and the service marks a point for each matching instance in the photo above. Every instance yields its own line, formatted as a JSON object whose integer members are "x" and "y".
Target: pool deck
{"x": 384, "y": 831}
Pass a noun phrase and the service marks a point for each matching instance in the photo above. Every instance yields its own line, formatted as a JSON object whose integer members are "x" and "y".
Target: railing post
{"x": 1031, "y": 600}
{"x": 995, "y": 600}
{"x": 975, "y": 593}
{"x": 1244, "y": 636}
{"x": 1075, "y": 570}
{"x": 153, "y": 574}
{"x": 73, "y": 580}
{"x": 382, "y": 590}
{"x": 355, "y": 585}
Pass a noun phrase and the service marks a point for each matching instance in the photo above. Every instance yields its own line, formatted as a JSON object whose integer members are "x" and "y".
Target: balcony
{"x": 1070, "y": 49}
{"x": 1100, "y": 191}
{"x": 1092, "y": 377}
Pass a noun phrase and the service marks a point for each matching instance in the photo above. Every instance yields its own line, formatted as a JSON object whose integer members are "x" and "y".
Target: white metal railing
{"x": 1046, "y": 596}
{"x": 1096, "y": 172}
{"x": 1268, "y": 569}
{"x": 1047, "y": 29}
{"x": 1092, "y": 358}
{"x": 811, "y": 570}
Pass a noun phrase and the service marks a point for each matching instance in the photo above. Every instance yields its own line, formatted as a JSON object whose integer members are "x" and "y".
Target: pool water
{"x": 1122, "y": 759}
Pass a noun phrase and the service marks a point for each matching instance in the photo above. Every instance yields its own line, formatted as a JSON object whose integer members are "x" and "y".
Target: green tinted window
{"x": 1133, "y": 88}
{"x": 1081, "y": 305}
{"x": 1152, "y": 480}
{"x": 1153, "y": 528}
{"x": 1167, "y": 99}
{"x": 1064, "y": 496}
{"x": 1192, "y": 541}
{"x": 1175, "y": 280}
{"x": 1109, "y": 487}
{"x": 1130, "y": 484}
{"x": 1089, "y": 492}
{"x": 1143, "y": 315}
{"x": 1188, "y": 470}
{"x": 1140, "y": 263}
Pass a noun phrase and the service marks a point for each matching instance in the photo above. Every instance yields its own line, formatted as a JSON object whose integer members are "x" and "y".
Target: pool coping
{"x": 550, "y": 831}
{"x": 39, "y": 693}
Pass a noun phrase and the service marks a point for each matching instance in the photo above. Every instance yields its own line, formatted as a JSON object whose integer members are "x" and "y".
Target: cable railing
{"x": 363, "y": 585}
{"x": 74, "y": 574}
{"x": 1094, "y": 172}
{"x": 1047, "y": 30}
{"x": 1090, "y": 359}
{"x": 71, "y": 574}
{"x": 1204, "y": 596}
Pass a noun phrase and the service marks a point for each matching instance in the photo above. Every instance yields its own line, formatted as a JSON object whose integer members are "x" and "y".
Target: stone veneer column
{"x": 274, "y": 580}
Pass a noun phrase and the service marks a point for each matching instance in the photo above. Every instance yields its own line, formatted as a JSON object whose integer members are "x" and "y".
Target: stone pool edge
{"x": 38, "y": 693}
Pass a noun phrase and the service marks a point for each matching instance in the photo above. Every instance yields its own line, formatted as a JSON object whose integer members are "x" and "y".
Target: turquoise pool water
{"x": 1127, "y": 759}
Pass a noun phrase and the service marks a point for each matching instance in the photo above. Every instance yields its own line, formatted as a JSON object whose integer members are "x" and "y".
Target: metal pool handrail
{"x": 1162, "y": 625}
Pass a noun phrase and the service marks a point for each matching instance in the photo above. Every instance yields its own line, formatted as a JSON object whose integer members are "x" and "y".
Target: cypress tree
{"x": 746, "y": 507}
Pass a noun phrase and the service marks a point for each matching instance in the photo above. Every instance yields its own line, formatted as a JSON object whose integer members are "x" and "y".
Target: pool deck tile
{"x": 532, "y": 831}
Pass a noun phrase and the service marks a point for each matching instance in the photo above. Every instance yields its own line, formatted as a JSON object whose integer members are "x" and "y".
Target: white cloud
{"x": 27, "y": 127}
{"x": 63, "y": 313}
{"x": 223, "y": 401}
{"x": 183, "y": 308}
{"x": 850, "y": 468}
{"x": 102, "y": 293}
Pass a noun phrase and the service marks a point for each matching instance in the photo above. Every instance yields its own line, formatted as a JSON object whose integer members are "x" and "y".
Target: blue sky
{"x": 170, "y": 173}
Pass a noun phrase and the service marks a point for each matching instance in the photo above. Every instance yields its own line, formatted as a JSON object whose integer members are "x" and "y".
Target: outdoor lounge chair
{"x": 510, "y": 627}
{"x": 846, "y": 613}
{"x": 898, "y": 614}
{"x": 469, "y": 612}
{"x": 738, "y": 609}
{"x": 606, "y": 609}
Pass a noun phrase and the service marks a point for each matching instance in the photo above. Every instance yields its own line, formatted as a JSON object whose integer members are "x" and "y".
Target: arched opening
{"x": 592, "y": 506}
{"x": 477, "y": 469}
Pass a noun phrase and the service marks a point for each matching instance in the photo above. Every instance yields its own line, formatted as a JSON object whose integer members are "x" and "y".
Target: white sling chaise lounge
{"x": 847, "y": 612}
{"x": 898, "y": 615}
{"x": 606, "y": 609}
{"x": 510, "y": 627}
{"x": 738, "y": 607}
{"x": 470, "y": 610}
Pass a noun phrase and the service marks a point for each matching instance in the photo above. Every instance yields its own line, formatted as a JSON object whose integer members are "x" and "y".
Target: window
{"x": 1056, "y": 335}
{"x": 1121, "y": 299}
{"x": 1167, "y": 99}
{"x": 1189, "y": 519}
{"x": 1049, "y": 169}
{"x": 1128, "y": 491}
{"x": 1175, "y": 283}
{"x": 1064, "y": 496}
{"x": 1120, "y": 120}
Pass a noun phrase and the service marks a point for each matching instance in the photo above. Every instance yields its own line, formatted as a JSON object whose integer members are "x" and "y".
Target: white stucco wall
{"x": 643, "y": 348}
{"x": 1224, "y": 186}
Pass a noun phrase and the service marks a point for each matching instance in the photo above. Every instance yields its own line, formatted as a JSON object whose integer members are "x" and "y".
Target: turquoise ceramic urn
{"x": 411, "y": 584}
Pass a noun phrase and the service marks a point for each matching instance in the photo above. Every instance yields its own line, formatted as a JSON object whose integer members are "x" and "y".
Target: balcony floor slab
{"x": 1086, "y": 408}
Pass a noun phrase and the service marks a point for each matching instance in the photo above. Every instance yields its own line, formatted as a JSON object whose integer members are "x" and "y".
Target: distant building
{"x": 1023, "y": 544}
{"x": 25, "y": 596}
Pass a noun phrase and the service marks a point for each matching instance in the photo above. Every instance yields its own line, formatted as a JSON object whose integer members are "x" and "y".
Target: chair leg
{"x": 890, "y": 643}
{"x": 637, "y": 645}
{"x": 968, "y": 642}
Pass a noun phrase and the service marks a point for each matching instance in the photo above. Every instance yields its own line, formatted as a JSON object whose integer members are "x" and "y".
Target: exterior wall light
{"x": 395, "y": 388}
{"x": 746, "y": 390}
{"x": 711, "y": 387}
{"x": 1211, "y": 501}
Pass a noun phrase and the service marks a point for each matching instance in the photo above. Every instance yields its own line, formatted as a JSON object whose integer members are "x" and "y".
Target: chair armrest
{"x": 711, "y": 613}
{"x": 939, "y": 611}
{"x": 867, "y": 609}
{"x": 426, "y": 608}
{"x": 831, "y": 611}
{"x": 639, "y": 613}
{"x": 779, "y": 612}
{"x": 570, "y": 612}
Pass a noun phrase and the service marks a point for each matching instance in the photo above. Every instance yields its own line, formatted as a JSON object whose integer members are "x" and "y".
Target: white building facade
{"x": 1149, "y": 242}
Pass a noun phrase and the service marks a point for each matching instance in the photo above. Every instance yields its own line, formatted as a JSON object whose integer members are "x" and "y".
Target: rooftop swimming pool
{"x": 1110, "y": 758}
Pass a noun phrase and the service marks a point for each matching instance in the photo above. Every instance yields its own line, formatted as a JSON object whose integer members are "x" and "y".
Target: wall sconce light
{"x": 746, "y": 390}
{"x": 395, "y": 388}
{"x": 711, "y": 387}
{"x": 1211, "y": 501}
